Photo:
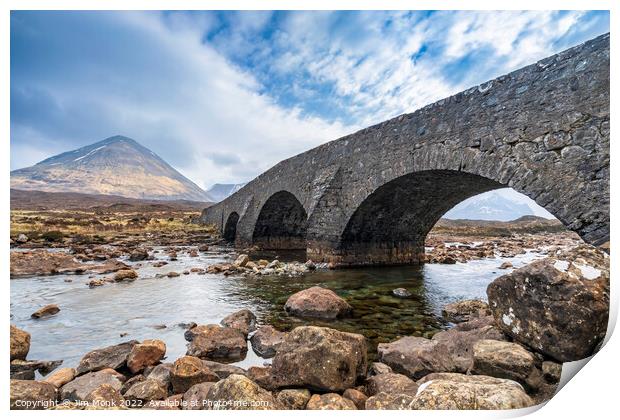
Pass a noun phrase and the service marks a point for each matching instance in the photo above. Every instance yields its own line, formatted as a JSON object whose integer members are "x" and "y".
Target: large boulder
{"x": 214, "y": 342}
{"x": 330, "y": 401}
{"x": 31, "y": 395}
{"x": 460, "y": 340}
{"x": 20, "y": 343}
{"x": 243, "y": 321}
{"x": 416, "y": 356}
{"x": 113, "y": 357}
{"x": 465, "y": 310}
{"x": 558, "y": 306}
{"x": 147, "y": 353}
{"x": 455, "y": 391}
{"x": 391, "y": 383}
{"x": 266, "y": 341}
{"x": 239, "y": 393}
{"x": 161, "y": 373}
{"x": 79, "y": 388}
{"x": 188, "y": 371}
{"x": 321, "y": 359}
{"x": 105, "y": 396}
{"x": 501, "y": 359}
{"x": 317, "y": 302}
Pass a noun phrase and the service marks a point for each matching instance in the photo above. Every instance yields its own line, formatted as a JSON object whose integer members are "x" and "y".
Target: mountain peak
{"x": 117, "y": 165}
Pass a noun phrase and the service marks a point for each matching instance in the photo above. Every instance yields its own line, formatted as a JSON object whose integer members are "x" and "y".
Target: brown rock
{"x": 241, "y": 260}
{"x": 46, "y": 311}
{"x": 20, "y": 343}
{"x": 25, "y": 369}
{"x": 263, "y": 377}
{"x": 501, "y": 359}
{"x": 552, "y": 372}
{"x": 147, "y": 390}
{"x": 293, "y": 399}
{"x": 161, "y": 373}
{"x": 147, "y": 353}
{"x": 195, "y": 397}
{"x": 79, "y": 388}
{"x": 113, "y": 357}
{"x": 455, "y": 391}
{"x": 188, "y": 371}
{"x": 31, "y": 395}
{"x": 223, "y": 370}
{"x": 558, "y": 306}
{"x": 465, "y": 310}
{"x": 358, "y": 397}
{"x": 389, "y": 401}
{"x": 266, "y": 341}
{"x": 243, "y": 321}
{"x": 239, "y": 393}
{"x": 391, "y": 383}
{"x": 217, "y": 343}
{"x": 320, "y": 358}
{"x": 329, "y": 401}
{"x": 105, "y": 396}
{"x": 416, "y": 356}
{"x": 60, "y": 377}
{"x": 125, "y": 275}
{"x": 317, "y": 302}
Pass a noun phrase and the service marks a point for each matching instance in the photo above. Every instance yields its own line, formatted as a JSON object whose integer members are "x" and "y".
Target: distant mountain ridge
{"x": 115, "y": 166}
{"x": 489, "y": 206}
{"x": 220, "y": 192}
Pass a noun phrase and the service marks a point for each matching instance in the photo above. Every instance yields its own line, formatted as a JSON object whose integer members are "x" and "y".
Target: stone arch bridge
{"x": 371, "y": 197}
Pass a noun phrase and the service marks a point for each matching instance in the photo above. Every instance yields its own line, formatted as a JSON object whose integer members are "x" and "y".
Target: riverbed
{"x": 152, "y": 307}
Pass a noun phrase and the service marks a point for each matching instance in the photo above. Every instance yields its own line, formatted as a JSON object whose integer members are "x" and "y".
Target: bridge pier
{"x": 377, "y": 254}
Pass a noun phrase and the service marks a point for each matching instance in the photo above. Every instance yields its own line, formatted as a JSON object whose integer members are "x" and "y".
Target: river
{"x": 153, "y": 307}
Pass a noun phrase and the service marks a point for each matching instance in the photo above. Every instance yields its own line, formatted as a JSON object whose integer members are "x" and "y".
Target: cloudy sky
{"x": 222, "y": 96}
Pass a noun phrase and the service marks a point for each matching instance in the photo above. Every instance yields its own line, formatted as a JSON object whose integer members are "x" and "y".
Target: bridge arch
{"x": 281, "y": 224}
{"x": 230, "y": 228}
{"x": 391, "y": 223}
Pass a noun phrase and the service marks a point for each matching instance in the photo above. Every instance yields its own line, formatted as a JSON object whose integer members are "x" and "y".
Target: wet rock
{"x": 416, "y": 356}
{"x": 125, "y": 275}
{"x": 22, "y": 238}
{"x": 241, "y": 260}
{"x": 377, "y": 368}
{"x": 223, "y": 370}
{"x": 389, "y": 401}
{"x": 243, "y": 320}
{"x": 60, "y": 377}
{"x": 558, "y": 306}
{"x": 147, "y": 353}
{"x": 455, "y": 391}
{"x": 552, "y": 372}
{"x": 105, "y": 396}
{"x": 293, "y": 399}
{"x": 20, "y": 343}
{"x": 391, "y": 383}
{"x": 266, "y": 341}
{"x": 505, "y": 265}
{"x": 460, "y": 341}
{"x": 239, "y": 393}
{"x": 113, "y": 357}
{"x": 25, "y": 369}
{"x": 203, "y": 248}
{"x": 357, "y": 397}
{"x": 147, "y": 390}
{"x": 501, "y": 359}
{"x": 139, "y": 254}
{"x": 188, "y": 371}
{"x": 317, "y": 302}
{"x": 329, "y": 401}
{"x": 46, "y": 311}
{"x": 79, "y": 388}
{"x": 96, "y": 283}
{"x": 31, "y": 395}
{"x": 195, "y": 397}
{"x": 402, "y": 293}
{"x": 131, "y": 382}
{"x": 465, "y": 310}
{"x": 320, "y": 358}
{"x": 217, "y": 343}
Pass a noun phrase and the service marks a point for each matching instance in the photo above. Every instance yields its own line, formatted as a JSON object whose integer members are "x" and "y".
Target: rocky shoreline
{"x": 496, "y": 356}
